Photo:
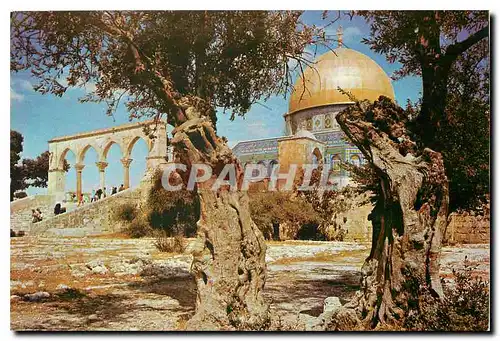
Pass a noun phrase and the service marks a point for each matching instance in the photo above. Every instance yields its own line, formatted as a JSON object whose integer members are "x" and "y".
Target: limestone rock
{"x": 331, "y": 304}
{"x": 97, "y": 267}
{"x": 37, "y": 296}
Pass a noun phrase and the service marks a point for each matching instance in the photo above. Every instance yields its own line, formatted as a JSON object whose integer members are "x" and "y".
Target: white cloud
{"x": 352, "y": 33}
{"x": 14, "y": 96}
{"x": 25, "y": 84}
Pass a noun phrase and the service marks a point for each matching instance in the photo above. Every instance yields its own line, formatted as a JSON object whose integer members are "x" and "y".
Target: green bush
{"x": 126, "y": 213}
{"x": 138, "y": 228}
{"x": 269, "y": 209}
{"x": 465, "y": 306}
{"x": 175, "y": 212}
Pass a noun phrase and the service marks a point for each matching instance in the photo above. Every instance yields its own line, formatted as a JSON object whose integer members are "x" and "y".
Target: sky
{"x": 40, "y": 118}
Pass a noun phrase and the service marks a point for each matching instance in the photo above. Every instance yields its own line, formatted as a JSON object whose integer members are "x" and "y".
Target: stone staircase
{"x": 90, "y": 219}
{"x": 20, "y": 210}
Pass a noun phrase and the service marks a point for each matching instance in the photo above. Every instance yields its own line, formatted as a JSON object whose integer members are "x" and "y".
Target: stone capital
{"x": 126, "y": 162}
{"x": 101, "y": 165}
{"x": 79, "y": 167}
{"x": 56, "y": 170}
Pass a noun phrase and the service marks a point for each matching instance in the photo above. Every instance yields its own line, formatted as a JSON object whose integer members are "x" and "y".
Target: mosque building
{"x": 312, "y": 132}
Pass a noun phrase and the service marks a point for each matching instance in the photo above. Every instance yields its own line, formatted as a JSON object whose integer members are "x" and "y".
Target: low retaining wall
{"x": 91, "y": 219}
{"x": 20, "y": 210}
{"x": 465, "y": 228}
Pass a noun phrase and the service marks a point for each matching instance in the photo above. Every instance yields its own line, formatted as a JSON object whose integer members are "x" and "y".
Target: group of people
{"x": 100, "y": 193}
{"x": 58, "y": 209}
{"x": 36, "y": 215}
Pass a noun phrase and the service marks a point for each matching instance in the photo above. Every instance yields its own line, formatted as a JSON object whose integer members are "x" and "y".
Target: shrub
{"x": 168, "y": 244}
{"x": 138, "y": 228}
{"x": 126, "y": 212}
{"x": 270, "y": 209}
{"x": 20, "y": 195}
{"x": 175, "y": 212}
{"x": 465, "y": 306}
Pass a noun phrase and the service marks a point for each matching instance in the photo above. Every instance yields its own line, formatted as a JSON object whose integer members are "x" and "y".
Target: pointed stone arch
{"x": 125, "y": 136}
{"x": 130, "y": 145}
{"x": 62, "y": 157}
{"x": 107, "y": 146}
{"x": 84, "y": 149}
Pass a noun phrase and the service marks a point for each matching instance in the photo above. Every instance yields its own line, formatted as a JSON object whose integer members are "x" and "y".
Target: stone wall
{"x": 464, "y": 228}
{"x": 357, "y": 226}
{"x": 20, "y": 210}
{"x": 91, "y": 219}
{"x": 353, "y": 221}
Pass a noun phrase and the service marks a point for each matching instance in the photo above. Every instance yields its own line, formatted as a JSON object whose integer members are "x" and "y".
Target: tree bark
{"x": 229, "y": 253}
{"x": 409, "y": 217}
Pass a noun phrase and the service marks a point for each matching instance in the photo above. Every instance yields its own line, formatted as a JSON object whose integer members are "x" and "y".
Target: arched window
{"x": 316, "y": 157}
{"x": 355, "y": 160}
{"x": 336, "y": 160}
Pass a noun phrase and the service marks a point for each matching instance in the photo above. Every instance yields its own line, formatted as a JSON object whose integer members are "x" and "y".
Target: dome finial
{"x": 340, "y": 34}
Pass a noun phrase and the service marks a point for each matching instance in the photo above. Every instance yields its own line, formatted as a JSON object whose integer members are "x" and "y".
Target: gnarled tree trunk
{"x": 408, "y": 219}
{"x": 229, "y": 257}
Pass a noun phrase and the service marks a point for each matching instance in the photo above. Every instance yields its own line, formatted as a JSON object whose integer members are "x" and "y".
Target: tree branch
{"x": 453, "y": 51}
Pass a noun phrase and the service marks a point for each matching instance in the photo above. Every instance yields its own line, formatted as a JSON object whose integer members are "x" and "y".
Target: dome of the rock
{"x": 350, "y": 70}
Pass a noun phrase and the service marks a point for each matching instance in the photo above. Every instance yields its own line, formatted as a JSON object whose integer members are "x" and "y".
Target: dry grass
{"x": 325, "y": 257}
{"x": 115, "y": 235}
{"x": 291, "y": 242}
{"x": 318, "y": 257}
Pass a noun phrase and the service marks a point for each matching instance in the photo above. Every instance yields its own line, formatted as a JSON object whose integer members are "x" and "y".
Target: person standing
{"x": 92, "y": 198}
{"x": 34, "y": 216}
{"x": 57, "y": 209}
{"x": 104, "y": 193}
{"x": 121, "y": 188}
{"x": 98, "y": 194}
{"x": 40, "y": 214}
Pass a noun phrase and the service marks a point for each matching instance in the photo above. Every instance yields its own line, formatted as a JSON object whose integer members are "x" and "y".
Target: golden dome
{"x": 345, "y": 68}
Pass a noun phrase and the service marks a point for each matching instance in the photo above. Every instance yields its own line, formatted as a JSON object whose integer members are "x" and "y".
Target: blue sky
{"x": 42, "y": 117}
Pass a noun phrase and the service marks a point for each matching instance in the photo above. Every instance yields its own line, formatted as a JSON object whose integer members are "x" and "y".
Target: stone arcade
{"x": 125, "y": 136}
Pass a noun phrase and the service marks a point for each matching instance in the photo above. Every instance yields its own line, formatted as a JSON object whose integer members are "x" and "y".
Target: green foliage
{"x": 175, "y": 212}
{"x": 163, "y": 60}
{"x": 170, "y": 212}
{"x": 450, "y": 51}
{"x": 311, "y": 213}
{"x": 270, "y": 208}
{"x": 138, "y": 228}
{"x": 28, "y": 172}
{"x": 126, "y": 213}
{"x": 37, "y": 170}
{"x": 465, "y": 136}
{"x": 465, "y": 307}
{"x": 16, "y": 171}
{"x": 407, "y": 36}
{"x": 20, "y": 195}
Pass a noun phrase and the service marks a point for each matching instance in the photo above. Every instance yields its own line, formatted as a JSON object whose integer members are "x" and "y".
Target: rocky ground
{"x": 114, "y": 283}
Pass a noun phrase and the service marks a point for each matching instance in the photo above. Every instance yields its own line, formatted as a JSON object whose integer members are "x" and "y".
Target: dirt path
{"x": 126, "y": 284}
